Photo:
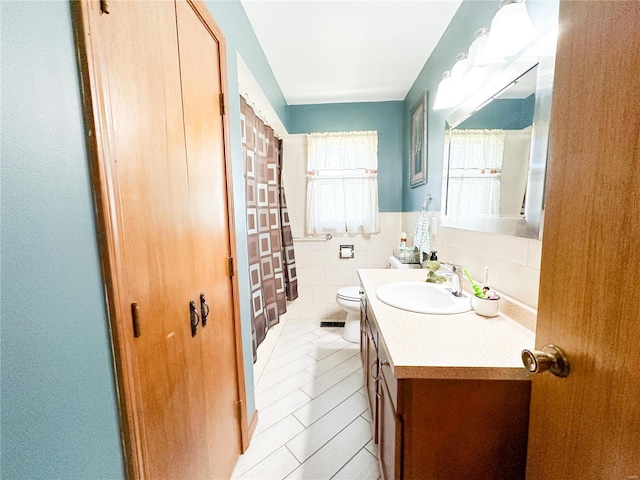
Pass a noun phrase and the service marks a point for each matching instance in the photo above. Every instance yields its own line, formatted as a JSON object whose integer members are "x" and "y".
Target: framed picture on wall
{"x": 418, "y": 147}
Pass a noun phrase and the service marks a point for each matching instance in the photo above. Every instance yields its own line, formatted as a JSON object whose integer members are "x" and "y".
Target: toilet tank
{"x": 393, "y": 262}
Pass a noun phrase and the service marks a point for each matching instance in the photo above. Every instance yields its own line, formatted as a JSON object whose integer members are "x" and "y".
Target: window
{"x": 342, "y": 183}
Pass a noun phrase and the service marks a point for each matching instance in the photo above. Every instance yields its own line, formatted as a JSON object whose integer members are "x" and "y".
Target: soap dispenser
{"x": 434, "y": 256}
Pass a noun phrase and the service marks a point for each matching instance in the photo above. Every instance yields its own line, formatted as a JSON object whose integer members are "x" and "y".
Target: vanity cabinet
{"x": 443, "y": 428}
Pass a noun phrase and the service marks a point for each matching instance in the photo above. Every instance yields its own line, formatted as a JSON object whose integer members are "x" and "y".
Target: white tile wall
{"x": 320, "y": 270}
{"x": 514, "y": 263}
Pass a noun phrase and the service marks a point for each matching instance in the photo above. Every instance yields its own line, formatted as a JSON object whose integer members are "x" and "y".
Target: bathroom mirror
{"x": 496, "y": 153}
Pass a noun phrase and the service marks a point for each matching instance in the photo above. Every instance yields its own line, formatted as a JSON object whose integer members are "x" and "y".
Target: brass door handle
{"x": 551, "y": 358}
{"x": 204, "y": 309}
{"x": 193, "y": 317}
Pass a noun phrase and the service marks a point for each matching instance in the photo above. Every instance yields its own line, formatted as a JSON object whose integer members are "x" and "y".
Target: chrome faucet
{"x": 456, "y": 278}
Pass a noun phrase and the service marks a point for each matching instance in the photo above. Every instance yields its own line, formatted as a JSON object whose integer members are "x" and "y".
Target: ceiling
{"x": 336, "y": 51}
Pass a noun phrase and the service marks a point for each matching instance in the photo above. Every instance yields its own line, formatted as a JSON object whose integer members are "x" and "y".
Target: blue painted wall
{"x": 508, "y": 114}
{"x": 385, "y": 117}
{"x": 59, "y": 414}
{"x": 59, "y": 409}
{"x": 472, "y": 15}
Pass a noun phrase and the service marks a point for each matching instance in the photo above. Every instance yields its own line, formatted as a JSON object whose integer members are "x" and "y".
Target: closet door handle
{"x": 195, "y": 319}
{"x": 204, "y": 309}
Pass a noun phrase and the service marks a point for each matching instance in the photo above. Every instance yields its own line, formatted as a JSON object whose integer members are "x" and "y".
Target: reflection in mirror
{"x": 489, "y": 154}
{"x": 495, "y": 157}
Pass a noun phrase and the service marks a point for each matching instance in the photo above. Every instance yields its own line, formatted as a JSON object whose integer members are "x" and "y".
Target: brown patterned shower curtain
{"x": 272, "y": 270}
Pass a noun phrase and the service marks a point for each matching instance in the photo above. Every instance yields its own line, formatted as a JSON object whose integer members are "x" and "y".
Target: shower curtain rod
{"x": 258, "y": 113}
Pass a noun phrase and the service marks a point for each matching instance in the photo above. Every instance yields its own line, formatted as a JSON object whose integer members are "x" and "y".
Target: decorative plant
{"x": 432, "y": 277}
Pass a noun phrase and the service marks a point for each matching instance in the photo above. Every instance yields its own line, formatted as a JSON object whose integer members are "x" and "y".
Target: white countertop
{"x": 460, "y": 346}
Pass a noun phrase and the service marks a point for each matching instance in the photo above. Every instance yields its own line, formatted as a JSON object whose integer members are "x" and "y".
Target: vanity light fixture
{"x": 461, "y": 83}
{"x": 476, "y": 50}
{"x": 460, "y": 67}
{"x": 546, "y": 46}
{"x": 511, "y": 30}
{"x": 477, "y": 72}
{"x": 445, "y": 96}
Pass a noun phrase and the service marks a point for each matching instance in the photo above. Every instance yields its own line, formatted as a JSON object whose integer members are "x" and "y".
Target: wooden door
{"x": 587, "y": 425}
{"x": 210, "y": 216}
{"x": 160, "y": 237}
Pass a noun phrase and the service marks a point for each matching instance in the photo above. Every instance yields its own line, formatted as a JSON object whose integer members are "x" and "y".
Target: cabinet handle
{"x": 384, "y": 363}
{"x": 204, "y": 309}
{"x": 194, "y": 318}
{"x": 375, "y": 377}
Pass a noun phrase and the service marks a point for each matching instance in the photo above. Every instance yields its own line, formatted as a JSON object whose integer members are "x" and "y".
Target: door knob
{"x": 551, "y": 358}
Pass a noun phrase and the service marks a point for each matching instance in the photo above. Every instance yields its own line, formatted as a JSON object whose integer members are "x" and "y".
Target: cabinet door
{"x": 371, "y": 377}
{"x": 389, "y": 435}
{"x": 363, "y": 332}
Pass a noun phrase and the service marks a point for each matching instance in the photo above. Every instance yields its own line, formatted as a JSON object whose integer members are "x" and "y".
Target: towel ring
{"x": 426, "y": 201}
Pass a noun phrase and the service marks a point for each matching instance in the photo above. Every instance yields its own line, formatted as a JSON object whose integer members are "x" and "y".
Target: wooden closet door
{"x": 201, "y": 92}
{"x": 141, "y": 184}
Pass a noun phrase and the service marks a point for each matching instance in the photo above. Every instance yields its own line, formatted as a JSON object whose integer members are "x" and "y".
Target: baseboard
{"x": 253, "y": 424}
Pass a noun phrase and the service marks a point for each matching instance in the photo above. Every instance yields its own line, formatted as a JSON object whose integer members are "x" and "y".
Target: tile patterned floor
{"x": 313, "y": 417}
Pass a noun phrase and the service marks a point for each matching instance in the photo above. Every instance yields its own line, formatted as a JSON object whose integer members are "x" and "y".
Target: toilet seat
{"x": 349, "y": 293}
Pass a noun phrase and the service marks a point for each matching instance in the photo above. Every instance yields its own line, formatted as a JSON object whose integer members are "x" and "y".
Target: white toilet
{"x": 349, "y": 300}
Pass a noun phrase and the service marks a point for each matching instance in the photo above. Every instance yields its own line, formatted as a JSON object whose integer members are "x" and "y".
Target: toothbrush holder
{"x": 486, "y": 307}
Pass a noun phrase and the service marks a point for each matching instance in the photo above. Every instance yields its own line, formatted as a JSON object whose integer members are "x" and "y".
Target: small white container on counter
{"x": 487, "y": 307}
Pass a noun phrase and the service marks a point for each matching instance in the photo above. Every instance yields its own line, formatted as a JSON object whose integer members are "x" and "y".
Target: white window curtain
{"x": 342, "y": 183}
{"x": 475, "y": 172}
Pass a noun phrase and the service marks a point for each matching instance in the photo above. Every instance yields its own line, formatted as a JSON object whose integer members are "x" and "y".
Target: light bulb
{"x": 476, "y": 50}
{"x": 511, "y": 30}
{"x": 445, "y": 96}
{"x": 460, "y": 67}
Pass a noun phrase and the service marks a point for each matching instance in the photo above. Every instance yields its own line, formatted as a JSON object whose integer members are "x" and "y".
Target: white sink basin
{"x": 423, "y": 297}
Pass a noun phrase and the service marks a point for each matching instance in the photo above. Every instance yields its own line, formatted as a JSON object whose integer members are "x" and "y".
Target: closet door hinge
{"x": 230, "y": 261}
{"x": 240, "y": 409}
{"x": 222, "y": 104}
